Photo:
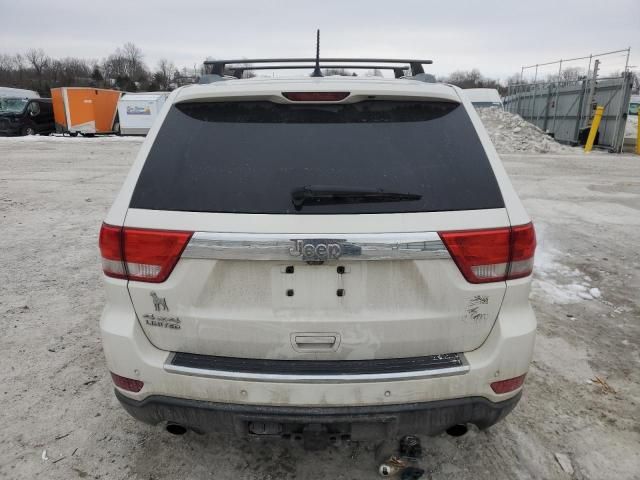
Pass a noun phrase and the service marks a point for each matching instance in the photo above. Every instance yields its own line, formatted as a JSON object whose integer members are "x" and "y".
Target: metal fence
{"x": 564, "y": 108}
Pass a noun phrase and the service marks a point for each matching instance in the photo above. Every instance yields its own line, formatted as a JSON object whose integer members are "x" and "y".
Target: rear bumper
{"x": 437, "y": 401}
{"x": 359, "y": 422}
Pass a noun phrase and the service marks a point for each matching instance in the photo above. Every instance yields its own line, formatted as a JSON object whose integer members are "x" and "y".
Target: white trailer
{"x": 138, "y": 111}
{"x": 18, "y": 93}
{"x": 483, "y": 97}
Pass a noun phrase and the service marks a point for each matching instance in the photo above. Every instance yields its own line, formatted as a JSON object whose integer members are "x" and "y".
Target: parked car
{"x": 18, "y": 92}
{"x": 26, "y": 116}
{"x": 484, "y": 97}
{"x": 318, "y": 258}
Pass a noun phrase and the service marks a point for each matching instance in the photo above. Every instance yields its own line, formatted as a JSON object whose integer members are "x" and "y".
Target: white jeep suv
{"x": 340, "y": 256}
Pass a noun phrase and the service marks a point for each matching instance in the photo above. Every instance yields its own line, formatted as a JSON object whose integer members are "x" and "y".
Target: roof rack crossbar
{"x": 238, "y": 71}
{"x": 217, "y": 67}
{"x": 322, "y": 66}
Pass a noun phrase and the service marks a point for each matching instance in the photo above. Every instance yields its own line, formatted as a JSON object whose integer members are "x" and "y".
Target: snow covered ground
{"x": 71, "y": 140}
{"x": 575, "y": 285}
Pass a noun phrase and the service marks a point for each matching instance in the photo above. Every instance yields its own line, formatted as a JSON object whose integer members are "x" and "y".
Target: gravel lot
{"x": 60, "y": 419}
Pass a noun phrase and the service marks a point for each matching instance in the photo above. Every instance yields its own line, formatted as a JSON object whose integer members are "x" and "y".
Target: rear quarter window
{"x": 247, "y": 157}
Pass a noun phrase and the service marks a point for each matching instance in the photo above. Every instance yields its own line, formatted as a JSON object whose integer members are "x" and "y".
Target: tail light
{"x": 492, "y": 255}
{"x": 111, "y": 251}
{"x": 506, "y": 386}
{"x": 140, "y": 254}
{"x": 128, "y": 384}
{"x": 315, "y": 96}
{"x": 523, "y": 246}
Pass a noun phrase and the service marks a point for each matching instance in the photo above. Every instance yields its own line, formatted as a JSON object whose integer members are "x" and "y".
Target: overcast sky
{"x": 497, "y": 37}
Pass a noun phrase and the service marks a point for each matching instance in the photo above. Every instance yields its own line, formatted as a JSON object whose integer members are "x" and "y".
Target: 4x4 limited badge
{"x": 162, "y": 321}
{"x": 319, "y": 250}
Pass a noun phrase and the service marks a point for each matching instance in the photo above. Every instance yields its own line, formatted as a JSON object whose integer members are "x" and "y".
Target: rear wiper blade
{"x": 346, "y": 194}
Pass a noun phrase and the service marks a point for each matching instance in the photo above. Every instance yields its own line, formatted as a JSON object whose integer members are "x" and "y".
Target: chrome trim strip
{"x": 256, "y": 246}
{"x": 290, "y": 378}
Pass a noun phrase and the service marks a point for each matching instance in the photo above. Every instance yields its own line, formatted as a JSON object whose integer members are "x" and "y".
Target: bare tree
{"x": 38, "y": 60}
{"x": 516, "y": 79}
{"x": 569, "y": 74}
{"x": 572, "y": 73}
{"x": 134, "y": 59}
{"x": 164, "y": 73}
{"x": 466, "y": 79}
{"x": 19, "y": 62}
{"x": 124, "y": 69}
{"x": 474, "y": 79}
{"x": 6, "y": 62}
{"x": 336, "y": 71}
{"x": 6, "y": 69}
{"x": 247, "y": 72}
{"x": 96, "y": 75}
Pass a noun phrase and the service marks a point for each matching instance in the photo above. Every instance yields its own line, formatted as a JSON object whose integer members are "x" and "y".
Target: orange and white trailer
{"x": 85, "y": 110}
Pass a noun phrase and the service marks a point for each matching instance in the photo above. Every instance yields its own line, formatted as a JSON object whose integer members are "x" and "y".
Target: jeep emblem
{"x": 316, "y": 250}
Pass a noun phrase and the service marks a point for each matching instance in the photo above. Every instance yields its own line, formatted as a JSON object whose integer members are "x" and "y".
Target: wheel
{"x": 73, "y": 134}
{"x": 28, "y": 131}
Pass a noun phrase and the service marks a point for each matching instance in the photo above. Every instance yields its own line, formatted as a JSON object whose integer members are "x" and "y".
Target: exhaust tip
{"x": 457, "y": 430}
{"x": 175, "y": 429}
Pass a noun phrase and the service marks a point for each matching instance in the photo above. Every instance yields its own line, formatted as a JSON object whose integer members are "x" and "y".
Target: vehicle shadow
{"x": 478, "y": 454}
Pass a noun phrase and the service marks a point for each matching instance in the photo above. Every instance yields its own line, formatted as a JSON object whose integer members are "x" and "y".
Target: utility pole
{"x": 592, "y": 91}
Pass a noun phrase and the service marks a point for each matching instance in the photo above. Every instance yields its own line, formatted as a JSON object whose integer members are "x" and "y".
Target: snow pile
{"x": 560, "y": 283}
{"x": 510, "y": 133}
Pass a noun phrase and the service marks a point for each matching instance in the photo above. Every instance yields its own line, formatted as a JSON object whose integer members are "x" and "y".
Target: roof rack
{"x": 238, "y": 67}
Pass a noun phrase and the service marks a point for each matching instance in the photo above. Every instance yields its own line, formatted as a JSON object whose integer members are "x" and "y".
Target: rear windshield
{"x": 249, "y": 157}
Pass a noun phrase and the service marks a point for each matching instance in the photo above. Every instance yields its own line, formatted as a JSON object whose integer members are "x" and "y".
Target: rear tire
{"x": 73, "y": 134}
{"x": 28, "y": 131}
